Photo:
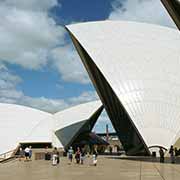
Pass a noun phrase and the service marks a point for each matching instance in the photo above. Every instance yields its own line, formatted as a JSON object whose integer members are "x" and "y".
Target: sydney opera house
{"x": 20, "y": 125}
{"x": 135, "y": 69}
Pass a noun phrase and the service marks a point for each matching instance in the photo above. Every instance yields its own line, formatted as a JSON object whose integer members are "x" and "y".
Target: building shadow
{"x": 145, "y": 159}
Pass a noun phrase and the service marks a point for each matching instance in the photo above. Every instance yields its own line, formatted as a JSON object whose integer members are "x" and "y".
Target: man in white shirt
{"x": 27, "y": 150}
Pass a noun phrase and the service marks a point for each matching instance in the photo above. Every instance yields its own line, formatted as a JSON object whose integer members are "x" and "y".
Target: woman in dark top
{"x": 78, "y": 155}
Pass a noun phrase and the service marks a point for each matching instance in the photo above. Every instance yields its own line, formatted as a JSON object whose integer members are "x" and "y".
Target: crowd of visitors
{"x": 78, "y": 157}
{"x": 173, "y": 152}
{"x": 27, "y": 153}
{"x": 81, "y": 155}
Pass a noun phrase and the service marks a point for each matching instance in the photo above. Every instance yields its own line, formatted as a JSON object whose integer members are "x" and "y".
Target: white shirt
{"x": 27, "y": 150}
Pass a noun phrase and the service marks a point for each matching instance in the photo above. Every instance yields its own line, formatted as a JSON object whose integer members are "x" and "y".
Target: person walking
{"x": 30, "y": 152}
{"x": 47, "y": 154}
{"x": 27, "y": 153}
{"x": 55, "y": 157}
{"x": 176, "y": 151}
{"x": 70, "y": 155}
{"x": 161, "y": 153}
{"x": 78, "y": 155}
{"x": 21, "y": 154}
{"x": 95, "y": 154}
{"x": 83, "y": 156}
{"x": 171, "y": 152}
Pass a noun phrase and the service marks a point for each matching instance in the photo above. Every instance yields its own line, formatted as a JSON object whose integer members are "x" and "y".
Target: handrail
{"x": 8, "y": 154}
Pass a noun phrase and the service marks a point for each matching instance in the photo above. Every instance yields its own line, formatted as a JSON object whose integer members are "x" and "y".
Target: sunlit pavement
{"x": 107, "y": 169}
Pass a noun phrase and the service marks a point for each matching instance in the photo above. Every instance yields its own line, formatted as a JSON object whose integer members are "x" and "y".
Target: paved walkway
{"x": 107, "y": 169}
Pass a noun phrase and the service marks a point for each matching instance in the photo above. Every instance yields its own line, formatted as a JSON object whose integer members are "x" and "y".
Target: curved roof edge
{"x": 24, "y": 106}
{"x": 74, "y": 107}
{"x": 69, "y": 26}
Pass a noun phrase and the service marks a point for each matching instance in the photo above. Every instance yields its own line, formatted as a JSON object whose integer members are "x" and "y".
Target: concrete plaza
{"x": 108, "y": 169}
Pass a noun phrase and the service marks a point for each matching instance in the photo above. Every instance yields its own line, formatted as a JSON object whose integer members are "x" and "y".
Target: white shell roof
{"x": 20, "y": 124}
{"x": 75, "y": 114}
{"x": 23, "y": 124}
{"x": 141, "y": 62}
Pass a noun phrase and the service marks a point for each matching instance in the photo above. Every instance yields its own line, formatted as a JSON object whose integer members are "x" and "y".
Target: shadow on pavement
{"x": 145, "y": 159}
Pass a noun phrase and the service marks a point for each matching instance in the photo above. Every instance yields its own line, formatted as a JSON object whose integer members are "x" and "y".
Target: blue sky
{"x": 67, "y": 12}
{"x": 39, "y": 66}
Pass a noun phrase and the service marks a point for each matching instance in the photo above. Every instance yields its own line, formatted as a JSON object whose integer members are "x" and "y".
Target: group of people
{"x": 80, "y": 156}
{"x": 172, "y": 152}
{"x": 26, "y": 153}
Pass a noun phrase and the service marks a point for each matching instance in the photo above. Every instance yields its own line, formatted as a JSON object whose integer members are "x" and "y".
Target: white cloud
{"x": 86, "y": 96}
{"x": 26, "y": 35}
{"x": 10, "y": 94}
{"x": 45, "y": 104}
{"x": 67, "y": 62}
{"x": 101, "y": 123}
{"x": 55, "y": 105}
{"x": 103, "y": 118}
{"x": 35, "y": 5}
{"x": 31, "y": 39}
{"x": 149, "y": 11}
{"x": 7, "y": 79}
{"x": 8, "y": 83}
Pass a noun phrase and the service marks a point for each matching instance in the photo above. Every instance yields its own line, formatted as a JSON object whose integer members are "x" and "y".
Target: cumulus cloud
{"x": 30, "y": 37}
{"x": 27, "y": 36}
{"x": 45, "y": 104}
{"x": 55, "y": 105}
{"x": 7, "y": 79}
{"x": 86, "y": 96}
{"x": 10, "y": 94}
{"x": 34, "y": 5}
{"x": 149, "y": 11}
{"x": 100, "y": 125}
{"x": 67, "y": 62}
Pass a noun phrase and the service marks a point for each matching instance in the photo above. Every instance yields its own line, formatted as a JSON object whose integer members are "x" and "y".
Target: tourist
{"x": 70, "y": 155}
{"x": 176, "y": 151}
{"x": 83, "y": 156}
{"x": 30, "y": 152}
{"x": 47, "y": 154}
{"x": 27, "y": 153}
{"x": 171, "y": 152}
{"x": 110, "y": 149}
{"x": 95, "y": 154}
{"x": 55, "y": 157}
{"x": 78, "y": 155}
{"x": 161, "y": 153}
{"x": 21, "y": 154}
